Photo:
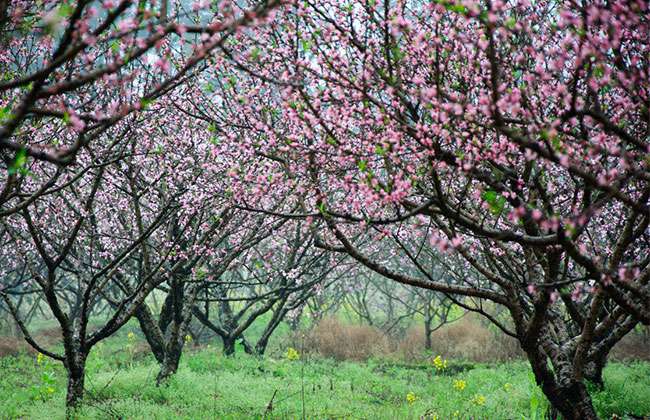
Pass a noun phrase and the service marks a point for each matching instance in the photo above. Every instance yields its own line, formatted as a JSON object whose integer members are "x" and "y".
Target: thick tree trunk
{"x": 151, "y": 332}
{"x": 573, "y": 402}
{"x": 594, "y": 372}
{"x": 173, "y": 350}
{"x": 228, "y": 346}
{"x": 568, "y": 396}
{"x": 76, "y": 369}
{"x": 168, "y": 367}
{"x": 75, "y": 389}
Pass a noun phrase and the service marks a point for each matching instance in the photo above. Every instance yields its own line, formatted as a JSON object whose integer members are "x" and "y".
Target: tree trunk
{"x": 427, "y": 336}
{"x": 247, "y": 347}
{"x": 427, "y": 327}
{"x": 594, "y": 372}
{"x": 151, "y": 332}
{"x": 260, "y": 346}
{"x": 263, "y": 341}
{"x": 76, "y": 369}
{"x": 228, "y": 346}
{"x": 168, "y": 367}
{"x": 573, "y": 402}
{"x": 566, "y": 395}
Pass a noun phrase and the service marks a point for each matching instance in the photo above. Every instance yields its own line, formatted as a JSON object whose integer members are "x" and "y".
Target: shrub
{"x": 11, "y": 346}
{"x": 465, "y": 339}
{"x": 331, "y": 338}
{"x": 634, "y": 346}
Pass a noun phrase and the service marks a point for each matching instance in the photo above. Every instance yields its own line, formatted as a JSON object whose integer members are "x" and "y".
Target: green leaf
{"x": 496, "y": 202}
{"x": 453, "y": 7}
{"x": 397, "y": 52}
{"x": 255, "y": 53}
{"x": 65, "y": 10}
{"x": 18, "y": 164}
{"x": 145, "y": 103}
{"x": 557, "y": 144}
{"x": 232, "y": 82}
{"x": 489, "y": 196}
{"x": 115, "y": 46}
{"x": 322, "y": 209}
{"x": 5, "y": 114}
{"x": 599, "y": 71}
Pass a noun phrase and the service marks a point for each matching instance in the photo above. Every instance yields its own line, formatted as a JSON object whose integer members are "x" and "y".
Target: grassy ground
{"x": 120, "y": 385}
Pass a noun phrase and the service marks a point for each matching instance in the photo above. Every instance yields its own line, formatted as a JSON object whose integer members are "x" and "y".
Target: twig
{"x": 269, "y": 407}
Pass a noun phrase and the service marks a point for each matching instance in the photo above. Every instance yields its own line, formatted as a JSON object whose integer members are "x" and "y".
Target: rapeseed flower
{"x": 411, "y": 398}
{"x": 292, "y": 354}
{"x": 440, "y": 363}
{"x": 478, "y": 399}
{"x": 459, "y": 384}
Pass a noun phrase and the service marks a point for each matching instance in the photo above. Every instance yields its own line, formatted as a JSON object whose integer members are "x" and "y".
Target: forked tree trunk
{"x": 228, "y": 346}
{"x": 573, "y": 402}
{"x": 568, "y": 396}
{"x": 173, "y": 351}
{"x": 594, "y": 372}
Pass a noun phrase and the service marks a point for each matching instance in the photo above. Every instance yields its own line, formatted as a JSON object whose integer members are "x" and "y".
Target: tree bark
{"x": 260, "y": 346}
{"x": 594, "y": 372}
{"x": 228, "y": 346}
{"x": 566, "y": 395}
{"x": 276, "y": 319}
{"x": 247, "y": 346}
{"x": 151, "y": 332}
{"x": 427, "y": 327}
{"x": 76, "y": 369}
{"x": 168, "y": 367}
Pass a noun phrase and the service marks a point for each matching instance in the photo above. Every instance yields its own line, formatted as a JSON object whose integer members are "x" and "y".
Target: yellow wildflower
{"x": 40, "y": 358}
{"x": 459, "y": 384}
{"x": 130, "y": 336}
{"x": 292, "y": 354}
{"x": 411, "y": 398}
{"x": 456, "y": 413}
{"x": 188, "y": 339}
{"x": 440, "y": 363}
{"x": 507, "y": 387}
{"x": 478, "y": 399}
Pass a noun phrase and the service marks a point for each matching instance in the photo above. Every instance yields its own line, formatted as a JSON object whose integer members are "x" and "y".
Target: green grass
{"x": 211, "y": 386}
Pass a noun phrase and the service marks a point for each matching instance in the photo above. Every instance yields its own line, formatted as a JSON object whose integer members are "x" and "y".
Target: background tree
{"x": 278, "y": 276}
